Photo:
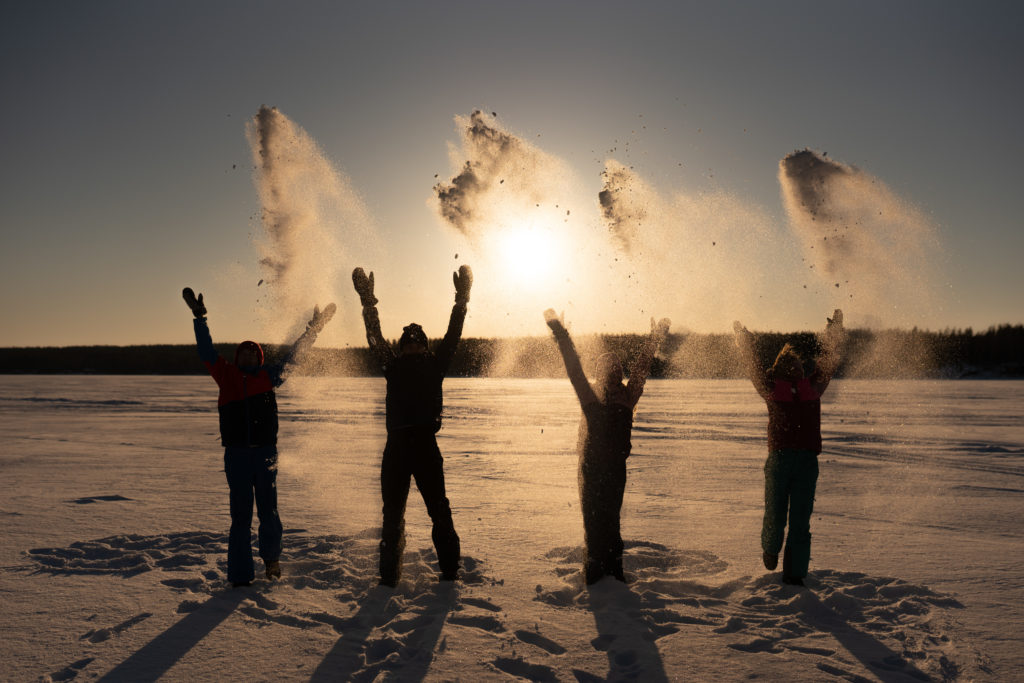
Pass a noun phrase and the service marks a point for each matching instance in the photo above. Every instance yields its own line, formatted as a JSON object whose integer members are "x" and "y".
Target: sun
{"x": 528, "y": 254}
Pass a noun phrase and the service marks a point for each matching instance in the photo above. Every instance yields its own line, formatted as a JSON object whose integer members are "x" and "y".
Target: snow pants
{"x": 252, "y": 475}
{"x": 414, "y": 454}
{"x": 790, "y": 478}
{"x": 602, "y": 485}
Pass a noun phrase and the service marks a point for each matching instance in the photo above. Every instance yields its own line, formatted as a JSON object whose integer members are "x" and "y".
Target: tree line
{"x": 898, "y": 354}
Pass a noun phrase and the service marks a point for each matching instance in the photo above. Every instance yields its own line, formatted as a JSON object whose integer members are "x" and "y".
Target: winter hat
{"x": 412, "y": 334}
{"x": 250, "y": 346}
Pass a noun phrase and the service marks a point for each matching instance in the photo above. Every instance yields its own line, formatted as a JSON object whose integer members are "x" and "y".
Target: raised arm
{"x": 641, "y": 366}
{"x": 446, "y": 350}
{"x": 204, "y": 342}
{"x": 828, "y": 361}
{"x": 364, "y": 287}
{"x": 745, "y": 344}
{"x": 573, "y": 367}
{"x": 303, "y": 344}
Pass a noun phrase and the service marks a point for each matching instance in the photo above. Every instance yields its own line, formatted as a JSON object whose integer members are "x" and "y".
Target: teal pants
{"x": 790, "y": 477}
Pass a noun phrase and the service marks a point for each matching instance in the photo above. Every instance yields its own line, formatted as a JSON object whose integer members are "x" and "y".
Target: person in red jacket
{"x": 248, "y": 431}
{"x": 794, "y": 442}
{"x": 605, "y": 442}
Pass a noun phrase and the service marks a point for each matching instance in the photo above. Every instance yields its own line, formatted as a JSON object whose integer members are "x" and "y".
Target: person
{"x": 604, "y": 442}
{"x": 794, "y": 442}
{"x": 248, "y": 432}
{"x": 413, "y": 405}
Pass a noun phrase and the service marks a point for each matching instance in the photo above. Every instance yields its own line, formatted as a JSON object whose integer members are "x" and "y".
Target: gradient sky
{"x": 126, "y": 173}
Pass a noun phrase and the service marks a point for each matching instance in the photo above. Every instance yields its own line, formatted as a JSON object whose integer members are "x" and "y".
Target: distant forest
{"x": 900, "y": 354}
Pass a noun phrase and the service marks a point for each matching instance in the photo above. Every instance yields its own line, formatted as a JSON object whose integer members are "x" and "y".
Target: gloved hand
{"x": 743, "y": 335}
{"x": 659, "y": 330}
{"x": 463, "y": 282}
{"x": 196, "y": 305}
{"x": 321, "y": 318}
{"x": 836, "y": 321}
{"x": 364, "y": 286}
{"x": 554, "y": 320}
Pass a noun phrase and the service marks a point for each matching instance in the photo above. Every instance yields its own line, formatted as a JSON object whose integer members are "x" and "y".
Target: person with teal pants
{"x": 794, "y": 442}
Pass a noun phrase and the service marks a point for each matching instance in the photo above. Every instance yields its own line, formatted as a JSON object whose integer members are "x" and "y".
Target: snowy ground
{"x": 115, "y": 516}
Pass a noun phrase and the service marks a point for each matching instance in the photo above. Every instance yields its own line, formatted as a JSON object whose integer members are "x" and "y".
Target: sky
{"x": 128, "y": 172}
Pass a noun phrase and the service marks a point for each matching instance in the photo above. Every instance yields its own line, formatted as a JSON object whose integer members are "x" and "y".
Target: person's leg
{"x": 394, "y": 489}
{"x": 429, "y": 474}
{"x": 801, "y": 505}
{"x": 614, "y": 486}
{"x": 265, "y": 485}
{"x": 238, "y": 469}
{"x": 601, "y": 491}
{"x": 776, "y": 500}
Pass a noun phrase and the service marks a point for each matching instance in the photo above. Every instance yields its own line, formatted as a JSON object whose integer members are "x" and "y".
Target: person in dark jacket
{"x": 248, "y": 431}
{"x": 413, "y": 405}
{"x": 604, "y": 442}
{"x": 794, "y": 442}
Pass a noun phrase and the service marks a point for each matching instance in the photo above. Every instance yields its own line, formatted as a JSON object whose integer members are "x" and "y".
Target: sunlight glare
{"x": 528, "y": 254}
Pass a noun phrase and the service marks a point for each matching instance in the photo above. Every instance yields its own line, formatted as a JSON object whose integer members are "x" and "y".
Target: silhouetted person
{"x": 794, "y": 442}
{"x": 413, "y": 416}
{"x": 248, "y": 432}
{"x": 604, "y": 442}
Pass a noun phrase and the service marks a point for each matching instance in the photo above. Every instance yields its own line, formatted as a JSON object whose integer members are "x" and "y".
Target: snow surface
{"x": 115, "y": 518}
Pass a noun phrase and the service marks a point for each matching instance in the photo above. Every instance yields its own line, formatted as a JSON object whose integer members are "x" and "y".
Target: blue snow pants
{"x": 252, "y": 475}
{"x": 790, "y": 477}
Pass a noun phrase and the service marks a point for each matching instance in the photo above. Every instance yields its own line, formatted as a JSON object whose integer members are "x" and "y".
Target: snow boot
{"x": 771, "y": 560}
{"x": 787, "y": 570}
{"x": 240, "y": 584}
{"x": 273, "y": 569}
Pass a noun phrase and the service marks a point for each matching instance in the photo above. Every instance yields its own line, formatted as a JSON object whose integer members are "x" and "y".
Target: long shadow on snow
{"x": 623, "y": 634}
{"x": 872, "y": 653}
{"x": 350, "y": 658}
{"x": 157, "y": 656}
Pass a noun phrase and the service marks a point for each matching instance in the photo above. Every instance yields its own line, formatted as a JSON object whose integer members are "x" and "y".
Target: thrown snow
{"x": 115, "y": 522}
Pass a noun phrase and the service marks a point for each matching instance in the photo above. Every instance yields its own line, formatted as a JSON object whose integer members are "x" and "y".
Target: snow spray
{"x": 314, "y": 223}
{"x": 312, "y": 218}
{"x": 518, "y": 212}
{"x": 870, "y": 246}
{"x": 627, "y": 256}
{"x": 696, "y": 257}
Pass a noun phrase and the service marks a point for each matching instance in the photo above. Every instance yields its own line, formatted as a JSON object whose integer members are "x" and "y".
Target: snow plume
{"x": 308, "y": 210}
{"x": 696, "y": 257}
{"x": 873, "y": 247}
{"x": 502, "y": 177}
{"x": 521, "y": 214}
{"x": 625, "y": 202}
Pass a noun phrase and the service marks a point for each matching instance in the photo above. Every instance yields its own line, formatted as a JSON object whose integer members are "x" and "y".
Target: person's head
{"x": 413, "y": 340}
{"x": 249, "y": 354}
{"x": 788, "y": 365}
{"x": 609, "y": 370}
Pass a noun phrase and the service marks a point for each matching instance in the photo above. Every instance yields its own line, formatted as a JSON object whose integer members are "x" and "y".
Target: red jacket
{"x": 794, "y": 416}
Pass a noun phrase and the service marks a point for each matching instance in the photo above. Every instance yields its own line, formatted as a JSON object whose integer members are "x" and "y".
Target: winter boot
{"x": 771, "y": 560}
{"x": 787, "y": 570}
{"x": 273, "y": 569}
{"x": 391, "y": 562}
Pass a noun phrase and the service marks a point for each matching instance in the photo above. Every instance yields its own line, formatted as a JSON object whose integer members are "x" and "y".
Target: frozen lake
{"x": 115, "y": 507}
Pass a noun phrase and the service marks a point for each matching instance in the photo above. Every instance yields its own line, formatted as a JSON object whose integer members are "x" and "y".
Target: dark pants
{"x": 790, "y": 477}
{"x": 414, "y": 454}
{"x": 602, "y": 485}
{"x": 252, "y": 474}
